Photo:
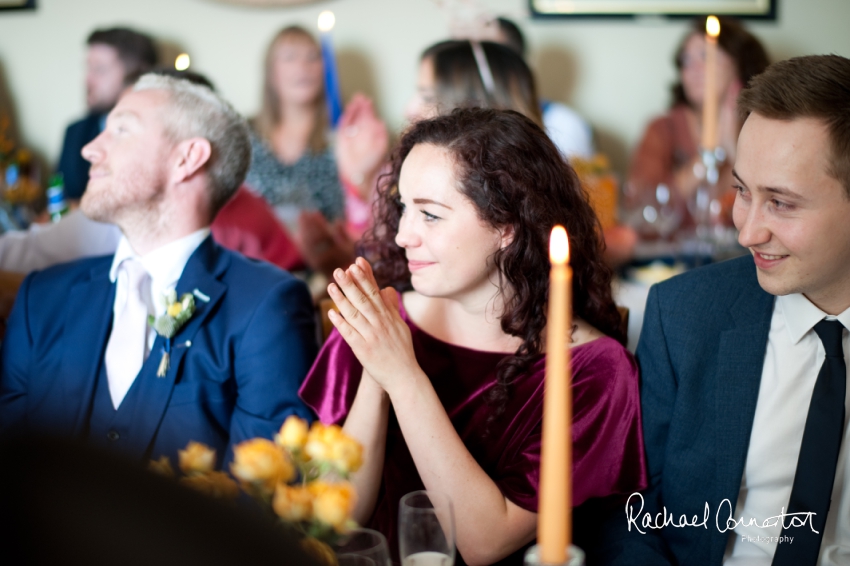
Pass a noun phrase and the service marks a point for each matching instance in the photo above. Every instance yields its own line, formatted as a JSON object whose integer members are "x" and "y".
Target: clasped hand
{"x": 370, "y": 322}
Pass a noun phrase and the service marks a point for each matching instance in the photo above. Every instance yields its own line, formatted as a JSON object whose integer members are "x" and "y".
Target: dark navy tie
{"x": 822, "y": 437}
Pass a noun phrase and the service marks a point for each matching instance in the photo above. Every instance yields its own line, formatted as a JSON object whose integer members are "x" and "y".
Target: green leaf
{"x": 166, "y": 326}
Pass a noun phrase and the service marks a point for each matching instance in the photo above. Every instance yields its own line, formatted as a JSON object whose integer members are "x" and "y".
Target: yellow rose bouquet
{"x": 301, "y": 476}
{"x": 321, "y": 499}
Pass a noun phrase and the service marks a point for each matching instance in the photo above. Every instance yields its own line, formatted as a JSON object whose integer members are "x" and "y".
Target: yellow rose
{"x": 293, "y": 433}
{"x": 333, "y": 503}
{"x": 320, "y": 440}
{"x": 315, "y": 446}
{"x": 292, "y": 503}
{"x": 197, "y": 457}
{"x": 161, "y": 467}
{"x": 214, "y": 484}
{"x": 346, "y": 454}
{"x": 329, "y": 443}
{"x": 260, "y": 464}
{"x": 174, "y": 309}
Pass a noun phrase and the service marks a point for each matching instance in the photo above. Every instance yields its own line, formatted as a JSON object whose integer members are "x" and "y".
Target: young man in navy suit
{"x": 79, "y": 358}
{"x": 744, "y": 363}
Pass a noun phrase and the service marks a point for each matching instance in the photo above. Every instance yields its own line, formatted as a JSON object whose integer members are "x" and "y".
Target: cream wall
{"x": 616, "y": 73}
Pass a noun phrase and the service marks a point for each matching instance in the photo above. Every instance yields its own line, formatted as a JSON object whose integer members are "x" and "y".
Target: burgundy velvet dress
{"x": 608, "y": 456}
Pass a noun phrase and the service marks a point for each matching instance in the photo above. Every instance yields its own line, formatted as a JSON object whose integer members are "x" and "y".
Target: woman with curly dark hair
{"x": 462, "y": 233}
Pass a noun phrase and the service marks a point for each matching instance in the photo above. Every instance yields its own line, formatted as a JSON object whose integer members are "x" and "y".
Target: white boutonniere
{"x": 177, "y": 313}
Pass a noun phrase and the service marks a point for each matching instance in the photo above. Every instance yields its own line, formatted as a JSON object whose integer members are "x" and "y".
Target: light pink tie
{"x": 127, "y": 346}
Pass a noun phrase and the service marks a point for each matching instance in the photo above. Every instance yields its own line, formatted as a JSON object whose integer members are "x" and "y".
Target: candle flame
{"x": 712, "y": 26}
{"x": 559, "y": 246}
{"x": 182, "y": 62}
{"x": 326, "y": 21}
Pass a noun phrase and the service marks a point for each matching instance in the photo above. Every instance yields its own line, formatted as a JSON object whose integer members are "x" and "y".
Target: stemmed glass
{"x": 653, "y": 213}
{"x": 426, "y": 529}
{"x": 363, "y": 547}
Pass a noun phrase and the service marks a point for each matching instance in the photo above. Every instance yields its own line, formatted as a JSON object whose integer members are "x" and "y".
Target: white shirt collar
{"x": 164, "y": 263}
{"x": 801, "y": 315}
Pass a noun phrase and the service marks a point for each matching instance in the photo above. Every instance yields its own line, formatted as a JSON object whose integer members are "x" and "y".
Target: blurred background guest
{"x": 113, "y": 54}
{"x": 570, "y": 132}
{"x": 668, "y": 153}
{"x": 452, "y": 75}
{"x": 292, "y": 164}
{"x": 43, "y": 245}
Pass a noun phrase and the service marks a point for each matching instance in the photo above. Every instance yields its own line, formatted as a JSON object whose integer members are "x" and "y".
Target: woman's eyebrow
{"x": 429, "y": 201}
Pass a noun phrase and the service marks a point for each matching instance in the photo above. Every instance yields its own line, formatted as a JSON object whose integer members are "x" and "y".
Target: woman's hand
{"x": 362, "y": 144}
{"x": 370, "y": 322}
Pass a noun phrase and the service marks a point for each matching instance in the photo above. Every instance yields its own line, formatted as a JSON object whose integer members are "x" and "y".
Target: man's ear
{"x": 507, "y": 235}
{"x": 190, "y": 157}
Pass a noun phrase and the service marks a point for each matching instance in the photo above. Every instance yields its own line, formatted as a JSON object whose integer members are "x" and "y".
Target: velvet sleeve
{"x": 331, "y": 384}
{"x": 608, "y": 452}
{"x": 517, "y": 473}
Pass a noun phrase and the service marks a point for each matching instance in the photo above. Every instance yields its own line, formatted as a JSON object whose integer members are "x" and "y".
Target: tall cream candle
{"x": 554, "y": 530}
{"x": 709, "y": 103}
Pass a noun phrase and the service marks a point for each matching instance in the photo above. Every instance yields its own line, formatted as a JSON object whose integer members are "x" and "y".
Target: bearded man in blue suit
{"x": 80, "y": 359}
{"x": 744, "y": 363}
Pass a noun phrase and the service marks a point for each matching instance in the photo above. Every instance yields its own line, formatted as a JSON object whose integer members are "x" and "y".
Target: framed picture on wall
{"x": 17, "y": 4}
{"x": 757, "y": 9}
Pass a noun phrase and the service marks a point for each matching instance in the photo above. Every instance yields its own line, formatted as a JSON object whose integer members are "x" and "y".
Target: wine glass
{"x": 653, "y": 213}
{"x": 426, "y": 529}
{"x": 363, "y": 547}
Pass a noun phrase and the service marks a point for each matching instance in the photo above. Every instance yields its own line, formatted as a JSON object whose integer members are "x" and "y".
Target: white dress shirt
{"x": 792, "y": 362}
{"x": 164, "y": 265}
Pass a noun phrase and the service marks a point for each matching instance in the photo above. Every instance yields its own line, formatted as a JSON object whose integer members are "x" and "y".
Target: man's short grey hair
{"x": 196, "y": 111}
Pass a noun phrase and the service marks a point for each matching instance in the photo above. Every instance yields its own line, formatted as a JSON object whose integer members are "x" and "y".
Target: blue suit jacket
{"x": 73, "y": 167}
{"x": 701, "y": 353}
{"x": 251, "y": 346}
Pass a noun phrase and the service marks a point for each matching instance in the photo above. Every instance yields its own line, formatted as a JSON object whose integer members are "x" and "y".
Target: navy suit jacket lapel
{"x": 740, "y": 356}
{"x": 87, "y": 325}
{"x": 201, "y": 273}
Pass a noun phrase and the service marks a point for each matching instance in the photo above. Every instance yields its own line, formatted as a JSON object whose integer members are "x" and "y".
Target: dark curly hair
{"x": 745, "y": 49}
{"x": 514, "y": 176}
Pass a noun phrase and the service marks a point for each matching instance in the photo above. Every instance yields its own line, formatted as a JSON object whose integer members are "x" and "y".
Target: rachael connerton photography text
{"x": 724, "y": 519}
